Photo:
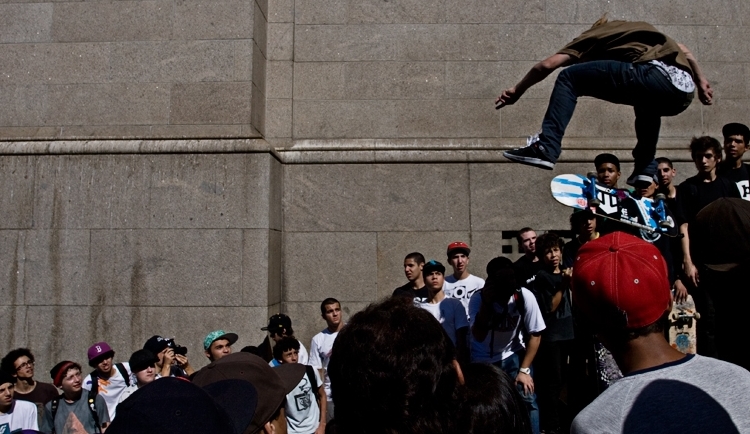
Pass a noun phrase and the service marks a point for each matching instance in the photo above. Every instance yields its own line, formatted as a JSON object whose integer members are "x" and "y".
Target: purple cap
{"x": 99, "y": 349}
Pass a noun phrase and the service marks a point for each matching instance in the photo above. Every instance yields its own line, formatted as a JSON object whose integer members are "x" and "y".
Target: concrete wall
{"x": 176, "y": 166}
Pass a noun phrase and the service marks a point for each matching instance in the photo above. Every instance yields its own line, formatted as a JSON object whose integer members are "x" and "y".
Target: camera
{"x": 178, "y": 349}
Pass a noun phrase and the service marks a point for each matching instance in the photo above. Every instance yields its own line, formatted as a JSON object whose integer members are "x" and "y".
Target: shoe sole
{"x": 633, "y": 179}
{"x": 529, "y": 161}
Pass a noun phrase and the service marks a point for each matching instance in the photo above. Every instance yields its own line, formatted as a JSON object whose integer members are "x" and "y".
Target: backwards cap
{"x": 620, "y": 282}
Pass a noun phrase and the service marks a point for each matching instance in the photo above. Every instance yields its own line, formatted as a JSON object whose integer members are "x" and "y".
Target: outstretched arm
{"x": 537, "y": 73}
{"x": 705, "y": 93}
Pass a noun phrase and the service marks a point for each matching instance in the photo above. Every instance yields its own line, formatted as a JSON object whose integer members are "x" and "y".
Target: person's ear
{"x": 268, "y": 428}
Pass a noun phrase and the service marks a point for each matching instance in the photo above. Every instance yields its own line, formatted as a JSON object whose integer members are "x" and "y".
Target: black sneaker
{"x": 531, "y": 155}
{"x": 645, "y": 174}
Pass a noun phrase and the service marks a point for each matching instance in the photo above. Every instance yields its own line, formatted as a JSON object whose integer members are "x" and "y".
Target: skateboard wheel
{"x": 697, "y": 315}
{"x": 595, "y": 202}
{"x": 660, "y": 196}
{"x": 591, "y": 175}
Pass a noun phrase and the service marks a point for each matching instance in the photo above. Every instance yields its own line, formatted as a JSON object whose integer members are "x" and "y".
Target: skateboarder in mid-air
{"x": 621, "y": 62}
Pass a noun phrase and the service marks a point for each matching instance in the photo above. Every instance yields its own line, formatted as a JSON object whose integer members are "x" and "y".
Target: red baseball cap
{"x": 458, "y": 245}
{"x": 621, "y": 282}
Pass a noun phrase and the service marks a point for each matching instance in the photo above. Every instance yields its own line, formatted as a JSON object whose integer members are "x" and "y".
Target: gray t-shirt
{"x": 693, "y": 395}
{"x": 75, "y": 418}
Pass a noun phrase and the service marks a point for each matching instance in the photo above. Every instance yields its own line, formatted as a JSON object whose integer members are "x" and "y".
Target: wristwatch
{"x": 526, "y": 371}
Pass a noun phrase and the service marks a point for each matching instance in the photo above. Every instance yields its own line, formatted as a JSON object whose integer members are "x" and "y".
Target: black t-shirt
{"x": 525, "y": 268}
{"x": 569, "y": 253}
{"x": 694, "y": 194}
{"x": 560, "y": 322}
{"x": 420, "y": 294}
{"x": 740, "y": 176}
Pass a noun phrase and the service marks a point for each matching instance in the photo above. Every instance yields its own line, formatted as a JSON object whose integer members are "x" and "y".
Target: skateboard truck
{"x": 661, "y": 212}
{"x": 590, "y": 190}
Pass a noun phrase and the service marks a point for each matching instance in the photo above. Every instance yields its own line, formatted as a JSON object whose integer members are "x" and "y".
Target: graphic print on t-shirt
{"x": 303, "y": 401}
{"x": 5, "y": 428}
{"x": 73, "y": 425}
{"x": 744, "y": 188}
{"x": 460, "y": 292}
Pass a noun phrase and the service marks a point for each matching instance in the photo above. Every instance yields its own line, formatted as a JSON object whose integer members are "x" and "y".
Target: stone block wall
{"x": 121, "y": 247}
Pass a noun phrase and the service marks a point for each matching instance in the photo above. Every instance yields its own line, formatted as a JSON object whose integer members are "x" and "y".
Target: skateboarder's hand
{"x": 680, "y": 292}
{"x": 705, "y": 93}
{"x": 526, "y": 381}
{"x": 508, "y": 97}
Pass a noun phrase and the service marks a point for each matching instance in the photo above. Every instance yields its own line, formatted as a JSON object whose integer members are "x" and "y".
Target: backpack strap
{"x": 94, "y": 382}
{"x": 55, "y": 403}
{"x": 124, "y": 372}
{"x": 91, "y": 402}
{"x": 311, "y": 376}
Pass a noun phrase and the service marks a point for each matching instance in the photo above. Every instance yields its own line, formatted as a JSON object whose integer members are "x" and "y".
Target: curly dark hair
{"x": 285, "y": 344}
{"x": 8, "y": 364}
{"x": 392, "y": 371}
{"x": 546, "y": 242}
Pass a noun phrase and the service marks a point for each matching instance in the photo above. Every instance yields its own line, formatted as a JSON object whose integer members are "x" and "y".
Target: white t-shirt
{"x": 507, "y": 339}
{"x": 462, "y": 290}
{"x": 320, "y": 354}
{"x": 302, "y": 410}
{"x": 22, "y": 415}
{"x": 111, "y": 388}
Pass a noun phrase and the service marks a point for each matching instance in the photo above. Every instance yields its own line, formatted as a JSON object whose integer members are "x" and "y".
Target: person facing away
{"x": 621, "y": 289}
{"x": 622, "y": 62}
{"x": 393, "y": 370}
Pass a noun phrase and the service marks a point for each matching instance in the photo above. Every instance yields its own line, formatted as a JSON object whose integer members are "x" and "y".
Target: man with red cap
{"x": 621, "y": 289}
{"x": 461, "y": 284}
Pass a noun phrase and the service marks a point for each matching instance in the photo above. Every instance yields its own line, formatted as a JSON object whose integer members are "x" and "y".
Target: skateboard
{"x": 682, "y": 323}
{"x": 584, "y": 192}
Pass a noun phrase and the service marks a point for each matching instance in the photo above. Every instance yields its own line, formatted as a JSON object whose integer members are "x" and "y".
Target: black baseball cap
{"x": 141, "y": 360}
{"x": 278, "y": 323}
{"x": 432, "y": 265}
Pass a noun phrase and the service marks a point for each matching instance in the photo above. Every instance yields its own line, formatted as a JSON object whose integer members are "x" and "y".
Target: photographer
{"x": 501, "y": 314}
{"x": 173, "y": 361}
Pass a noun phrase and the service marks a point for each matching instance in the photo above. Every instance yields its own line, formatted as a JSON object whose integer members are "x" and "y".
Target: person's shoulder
{"x": 716, "y": 366}
{"x": 452, "y": 303}
{"x": 24, "y": 406}
{"x": 47, "y": 387}
{"x": 450, "y": 279}
{"x": 476, "y": 279}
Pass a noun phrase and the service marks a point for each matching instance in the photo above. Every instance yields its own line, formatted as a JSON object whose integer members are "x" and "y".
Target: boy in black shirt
{"x": 736, "y": 138}
{"x": 414, "y": 288}
{"x": 694, "y": 194}
{"x": 550, "y": 286}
